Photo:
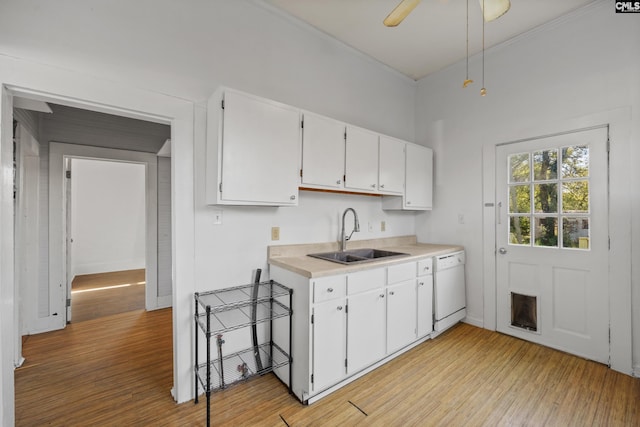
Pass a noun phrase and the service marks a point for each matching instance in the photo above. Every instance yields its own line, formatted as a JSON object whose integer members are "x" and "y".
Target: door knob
{"x": 502, "y": 251}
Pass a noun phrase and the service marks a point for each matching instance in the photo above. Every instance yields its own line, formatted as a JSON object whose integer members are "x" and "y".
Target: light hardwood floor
{"x": 104, "y": 294}
{"x": 118, "y": 371}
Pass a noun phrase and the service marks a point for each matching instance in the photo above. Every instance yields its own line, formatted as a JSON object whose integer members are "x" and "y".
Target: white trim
{"x": 57, "y": 216}
{"x": 619, "y": 276}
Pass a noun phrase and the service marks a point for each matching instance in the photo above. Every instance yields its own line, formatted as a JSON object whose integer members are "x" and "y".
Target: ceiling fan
{"x": 491, "y": 10}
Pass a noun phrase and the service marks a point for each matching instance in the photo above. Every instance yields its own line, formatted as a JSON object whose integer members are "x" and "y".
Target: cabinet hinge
{"x": 345, "y": 362}
{"x": 346, "y": 309}
{"x": 68, "y": 174}
{"x": 220, "y": 187}
{"x": 345, "y": 135}
{"x": 300, "y": 173}
{"x": 68, "y": 302}
{"x": 222, "y": 104}
{"x": 302, "y": 124}
{"x": 312, "y": 324}
{"x": 311, "y": 378}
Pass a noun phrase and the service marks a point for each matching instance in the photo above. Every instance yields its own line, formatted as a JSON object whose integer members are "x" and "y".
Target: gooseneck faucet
{"x": 356, "y": 228}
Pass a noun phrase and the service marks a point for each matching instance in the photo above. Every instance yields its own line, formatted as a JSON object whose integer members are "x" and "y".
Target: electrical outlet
{"x": 275, "y": 233}
{"x": 383, "y": 226}
{"x": 217, "y": 217}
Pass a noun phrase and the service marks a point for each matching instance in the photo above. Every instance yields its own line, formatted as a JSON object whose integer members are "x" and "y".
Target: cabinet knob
{"x": 292, "y": 197}
{"x": 381, "y": 185}
{"x": 408, "y": 202}
{"x": 329, "y": 289}
{"x": 373, "y": 186}
{"x": 381, "y": 295}
{"x": 339, "y": 181}
{"x": 426, "y": 269}
{"x": 421, "y": 283}
{"x": 391, "y": 293}
{"x": 339, "y": 307}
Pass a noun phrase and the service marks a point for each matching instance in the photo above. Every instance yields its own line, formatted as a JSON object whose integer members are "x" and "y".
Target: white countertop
{"x": 294, "y": 257}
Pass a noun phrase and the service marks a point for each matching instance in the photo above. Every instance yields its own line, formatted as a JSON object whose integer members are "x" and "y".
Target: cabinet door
{"x": 329, "y": 343}
{"x": 322, "y": 151}
{"x": 419, "y": 178}
{"x": 401, "y": 315}
{"x": 391, "y": 171}
{"x": 425, "y": 305}
{"x": 361, "y": 163}
{"x": 260, "y": 151}
{"x": 365, "y": 329}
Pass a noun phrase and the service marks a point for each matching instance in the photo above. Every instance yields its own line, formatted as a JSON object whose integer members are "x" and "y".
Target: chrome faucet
{"x": 356, "y": 228}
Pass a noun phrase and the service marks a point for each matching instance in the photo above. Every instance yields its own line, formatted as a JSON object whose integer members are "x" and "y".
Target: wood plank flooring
{"x": 118, "y": 371}
{"x": 103, "y": 294}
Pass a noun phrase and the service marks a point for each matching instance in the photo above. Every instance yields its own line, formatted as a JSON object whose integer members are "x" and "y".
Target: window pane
{"x": 519, "y": 230}
{"x": 519, "y": 167}
{"x": 575, "y": 197}
{"x": 575, "y": 233}
{"x": 546, "y": 231}
{"x": 546, "y": 198}
{"x": 545, "y": 165}
{"x": 519, "y": 199}
{"x": 575, "y": 162}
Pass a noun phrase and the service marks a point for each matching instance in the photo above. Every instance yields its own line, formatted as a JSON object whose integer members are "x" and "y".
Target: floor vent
{"x": 524, "y": 311}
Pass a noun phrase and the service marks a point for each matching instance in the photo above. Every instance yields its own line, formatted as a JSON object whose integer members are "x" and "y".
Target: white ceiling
{"x": 432, "y": 37}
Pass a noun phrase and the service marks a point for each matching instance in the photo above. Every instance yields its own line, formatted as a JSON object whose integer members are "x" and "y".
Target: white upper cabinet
{"x": 418, "y": 191}
{"x": 361, "y": 162}
{"x": 322, "y": 152}
{"x": 253, "y": 150}
{"x": 419, "y": 178}
{"x": 391, "y": 165}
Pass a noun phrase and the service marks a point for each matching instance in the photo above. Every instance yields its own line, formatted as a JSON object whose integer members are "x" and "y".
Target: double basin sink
{"x": 357, "y": 256}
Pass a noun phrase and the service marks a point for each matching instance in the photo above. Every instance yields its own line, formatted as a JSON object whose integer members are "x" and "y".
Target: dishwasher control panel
{"x": 450, "y": 260}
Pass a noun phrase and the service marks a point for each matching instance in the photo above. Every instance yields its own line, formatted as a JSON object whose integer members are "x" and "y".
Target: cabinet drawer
{"x": 425, "y": 267}
{"x": 399, "y": 273}
{"x": 365, "y": 280}
{"x": 327, "y": 288}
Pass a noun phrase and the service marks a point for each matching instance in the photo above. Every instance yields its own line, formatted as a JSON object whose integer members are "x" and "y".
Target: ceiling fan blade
{"x": 401, "y": 11}
{"x": 494, "y": 9}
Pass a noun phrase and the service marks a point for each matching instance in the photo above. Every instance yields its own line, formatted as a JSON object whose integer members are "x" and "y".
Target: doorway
{"x": 106, "y": 241}
{"x": 552, "y": 237}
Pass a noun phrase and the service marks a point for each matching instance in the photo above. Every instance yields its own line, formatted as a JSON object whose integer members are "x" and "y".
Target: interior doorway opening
{"x": 106, "y": 238}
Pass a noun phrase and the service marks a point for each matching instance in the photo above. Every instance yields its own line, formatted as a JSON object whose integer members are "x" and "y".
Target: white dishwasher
{"x": 449, "y": 301}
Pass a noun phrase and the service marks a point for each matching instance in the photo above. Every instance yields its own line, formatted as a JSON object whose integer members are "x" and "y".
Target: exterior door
{"x": 552, "y": 240}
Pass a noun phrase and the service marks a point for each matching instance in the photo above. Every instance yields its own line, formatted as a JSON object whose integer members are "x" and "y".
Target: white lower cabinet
{"x": 366, "y": 342}
{"x": 401, "y": 315}
{"x": 345, "y": 324}
{"x": 329, "y": 343}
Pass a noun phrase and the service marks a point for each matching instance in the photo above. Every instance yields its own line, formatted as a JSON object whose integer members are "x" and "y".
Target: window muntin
{"x": 550, "y": 207}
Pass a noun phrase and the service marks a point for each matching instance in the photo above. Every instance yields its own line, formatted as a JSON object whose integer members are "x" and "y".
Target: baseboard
{"x": 165, "y": 302}
{"x": 636, "y": 371}
{"x": 473, "y": 321}
{"x": 107, "y": 267}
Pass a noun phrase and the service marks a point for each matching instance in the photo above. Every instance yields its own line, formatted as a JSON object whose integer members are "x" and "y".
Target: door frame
{"x": 619, "y": 259}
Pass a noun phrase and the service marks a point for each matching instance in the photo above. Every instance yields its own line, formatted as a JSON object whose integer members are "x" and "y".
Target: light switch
{"x": 275, "y": 233}
{"x": 383, "y": 226}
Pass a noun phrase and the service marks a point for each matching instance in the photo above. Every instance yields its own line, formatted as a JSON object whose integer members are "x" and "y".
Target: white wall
{"x": 582, "y": 65}
{"x": 107, "y": 216}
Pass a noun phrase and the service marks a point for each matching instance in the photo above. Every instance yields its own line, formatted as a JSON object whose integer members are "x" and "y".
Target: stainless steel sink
{"x": 357, "y": 256}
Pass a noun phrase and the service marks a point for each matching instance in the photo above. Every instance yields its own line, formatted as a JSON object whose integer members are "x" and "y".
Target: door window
{"x": 549, "y": 198}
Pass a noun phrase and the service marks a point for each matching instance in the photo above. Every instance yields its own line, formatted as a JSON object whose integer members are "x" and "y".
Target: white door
{"x": 552, "y": 242}
{"x": 419, "y": 177}
{"x": 361, "y": 161}
{"x": 401, "y": 315}
{"x": 329, "y": 343}
{"x": 366, "y": 340}
{"x": 69, "y": 236}
{"x": 322, "y": 151}
{"x": 392, "y": 165}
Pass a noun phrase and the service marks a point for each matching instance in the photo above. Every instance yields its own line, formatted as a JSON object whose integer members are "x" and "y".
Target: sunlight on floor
{"x": 104, "y": 288}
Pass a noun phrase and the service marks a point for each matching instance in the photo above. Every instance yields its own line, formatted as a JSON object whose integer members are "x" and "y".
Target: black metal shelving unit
{"x": 224, "y": 310}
